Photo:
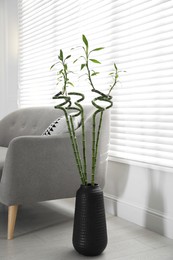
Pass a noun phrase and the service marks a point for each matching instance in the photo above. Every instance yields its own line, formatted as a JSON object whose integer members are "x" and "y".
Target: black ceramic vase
{"x": 89, "y": 230}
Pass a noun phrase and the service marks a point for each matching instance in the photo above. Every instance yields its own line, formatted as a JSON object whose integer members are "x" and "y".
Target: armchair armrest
{"x": 1, "y": 136}
{"x": 38, "y": 168}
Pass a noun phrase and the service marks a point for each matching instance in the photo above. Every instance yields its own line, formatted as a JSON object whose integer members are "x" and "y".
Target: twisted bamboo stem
{"x": 83, "y": 132}
{"x": 71, "y": 130}
{"x": 96, "y": 135}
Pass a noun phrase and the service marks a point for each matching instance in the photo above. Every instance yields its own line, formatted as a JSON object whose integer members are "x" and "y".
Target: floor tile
{"x": 44, "y": 232}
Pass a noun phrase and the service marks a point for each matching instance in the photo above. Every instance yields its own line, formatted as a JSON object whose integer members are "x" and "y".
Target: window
{"x": 45, "y": 27}
{"x": 138, "y": 36}
{"x": 36, "y": 52}
{"x": 142, "y": 118}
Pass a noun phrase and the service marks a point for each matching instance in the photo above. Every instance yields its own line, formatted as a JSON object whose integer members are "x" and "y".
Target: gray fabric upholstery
{"x": 38, "y": 168}
{"x": 28, "y": 121}
{"x": 3, "y": 152}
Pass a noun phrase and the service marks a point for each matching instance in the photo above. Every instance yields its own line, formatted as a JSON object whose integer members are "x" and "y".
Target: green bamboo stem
{"x": 71, "y": 132}
{"x": 100, "y": 93}
{"x": 65, "y": 78}
{"x": 89, "y": 75}
{"x": 88, "y": 69}
{"x": 83, "y": 131}
{"x": 74, "y": 145}
{"x": 84, "y": 146}
{"x": 115, "y": 79}
{"x": 77, "y": 149}
{"x": 96, "y": 136}
{"x": 95, "y": 142}
{"x": 93, "y": 150}
{"x": 83, "y": 143}
{"x": 67, "y": 100}
{"x": 75, "y": 139}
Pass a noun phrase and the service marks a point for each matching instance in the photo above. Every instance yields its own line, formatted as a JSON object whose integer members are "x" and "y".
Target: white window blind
{"x": 142, "y": 118}
{"x": 137, "y": 35}
{"x": 45, "y": 27}
{"x": 36, "y": 52}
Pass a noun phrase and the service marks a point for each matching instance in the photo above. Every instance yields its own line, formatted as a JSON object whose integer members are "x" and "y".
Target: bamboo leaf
{"x": 68, "y": 57}
{"x": 97, "y": 49}
{"x": 95, "y": 61}
{"x": 95, "y": 73}
{"x": 59, "y": 81}
{"x": 85, "y": 40}
{"x": 78, "y": 58}
{"x": 115, "y": 66}
{"x": 61, "y": 55}
{"x": 71, "y": 84}
{"x": 82, "y": 66}
{"x": 60, "y": 72}
{"x": 75, "y": 61}
{"x": 52, "y": 66}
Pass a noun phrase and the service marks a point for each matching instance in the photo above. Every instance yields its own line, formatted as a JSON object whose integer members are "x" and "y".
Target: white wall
{"x": 141, "y": 195}
{"x": 8, "y": 56}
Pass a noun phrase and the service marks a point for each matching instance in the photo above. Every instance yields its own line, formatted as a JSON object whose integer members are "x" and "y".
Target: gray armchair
{"x": 37, "y": 168}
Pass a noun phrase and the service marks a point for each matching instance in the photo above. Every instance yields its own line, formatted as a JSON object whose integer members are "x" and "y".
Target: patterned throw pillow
{"x": 59, "y": 126}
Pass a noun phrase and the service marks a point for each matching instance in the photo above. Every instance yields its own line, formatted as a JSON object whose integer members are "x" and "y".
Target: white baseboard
{"x": 150, "y": 219}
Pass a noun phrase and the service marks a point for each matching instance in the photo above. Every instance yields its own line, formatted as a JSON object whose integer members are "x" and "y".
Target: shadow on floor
{"x": 38, "y": 216}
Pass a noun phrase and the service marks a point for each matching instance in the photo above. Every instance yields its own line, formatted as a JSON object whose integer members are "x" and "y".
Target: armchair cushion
{"x": 59, "y": 126}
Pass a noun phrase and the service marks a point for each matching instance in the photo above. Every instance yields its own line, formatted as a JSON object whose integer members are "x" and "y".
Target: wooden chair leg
{"x": 12, "y": 213}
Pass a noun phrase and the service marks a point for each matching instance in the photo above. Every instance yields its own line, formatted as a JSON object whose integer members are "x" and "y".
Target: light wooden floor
{"x": 43, "y": 232}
